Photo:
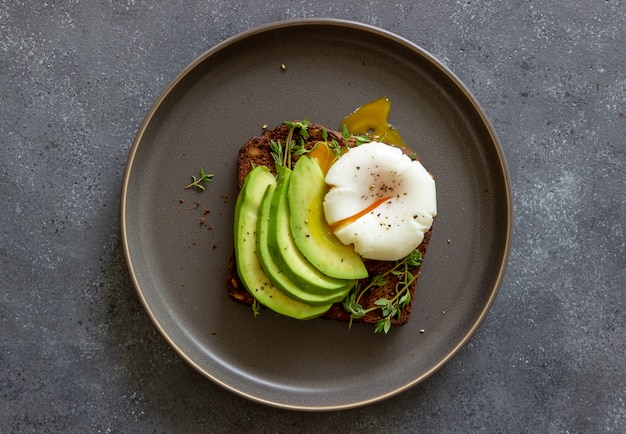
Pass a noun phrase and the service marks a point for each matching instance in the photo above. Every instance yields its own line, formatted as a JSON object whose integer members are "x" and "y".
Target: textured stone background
{"x": 77, "y": 352}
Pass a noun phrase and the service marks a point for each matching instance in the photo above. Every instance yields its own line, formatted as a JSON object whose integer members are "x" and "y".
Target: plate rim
{"x": 340, "y": 23}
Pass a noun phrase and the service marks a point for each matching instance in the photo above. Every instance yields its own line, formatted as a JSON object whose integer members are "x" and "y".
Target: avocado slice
{"x": 274, "y": 271}
{"x": 248, "y": 266}
{"x": 285, "y": 251}
{"x": 311, "y": 233}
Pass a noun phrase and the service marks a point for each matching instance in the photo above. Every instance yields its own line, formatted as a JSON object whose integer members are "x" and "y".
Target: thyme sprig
{"x": 284, "y": 153}
{"x": 391, "y": 308}
{"x": 197, "y": 182}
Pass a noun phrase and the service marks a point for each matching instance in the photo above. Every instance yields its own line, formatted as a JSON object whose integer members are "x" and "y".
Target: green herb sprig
{"x": 284, "y": 153}
{"x": 390, "y": 307}
{"x": 197, "y": 182}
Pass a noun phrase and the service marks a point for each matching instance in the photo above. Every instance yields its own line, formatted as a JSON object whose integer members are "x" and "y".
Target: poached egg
{"x": 380, "y": 200}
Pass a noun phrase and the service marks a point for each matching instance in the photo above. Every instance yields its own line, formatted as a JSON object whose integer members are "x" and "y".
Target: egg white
{"x": 361, "y": 179}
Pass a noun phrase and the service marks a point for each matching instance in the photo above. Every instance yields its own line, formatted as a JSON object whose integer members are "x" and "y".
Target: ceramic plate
{"x": 178, "y": 242}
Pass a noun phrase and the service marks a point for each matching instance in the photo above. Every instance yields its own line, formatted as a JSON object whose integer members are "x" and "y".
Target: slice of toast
{"x": 256, "y": 152}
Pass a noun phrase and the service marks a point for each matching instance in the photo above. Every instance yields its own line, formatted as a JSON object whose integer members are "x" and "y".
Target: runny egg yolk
{"x": 380, "y": 200}
{"x": 371, "y": 120}
{"x": 323, "y": 155}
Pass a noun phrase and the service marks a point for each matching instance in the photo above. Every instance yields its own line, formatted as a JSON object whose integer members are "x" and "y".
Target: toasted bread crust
{"x": 256, "y": 152}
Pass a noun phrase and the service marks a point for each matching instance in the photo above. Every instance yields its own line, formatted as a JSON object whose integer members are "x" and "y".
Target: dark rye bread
{"x": 256, "y": 152}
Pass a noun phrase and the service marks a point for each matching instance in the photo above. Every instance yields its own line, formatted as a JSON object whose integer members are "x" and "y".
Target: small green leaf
{"x": 389, "y": 311}
{"x": 256, "y": 308}
{"x": 344, "y": 132}
{"x": 414, "y": 259}
{"x": 362, "y": 139}
{"x": 405, "y": 299}
{"x": 378, "y": 280}
{"x": 383, "y": 326}
{"x": 324, "y": 134}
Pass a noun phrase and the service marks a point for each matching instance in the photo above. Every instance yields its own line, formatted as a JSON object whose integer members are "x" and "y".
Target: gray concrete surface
{"x": 78, "y": 353}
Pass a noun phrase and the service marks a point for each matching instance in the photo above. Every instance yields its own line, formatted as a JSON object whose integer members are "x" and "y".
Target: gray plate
{"x": 178, "y": 265}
